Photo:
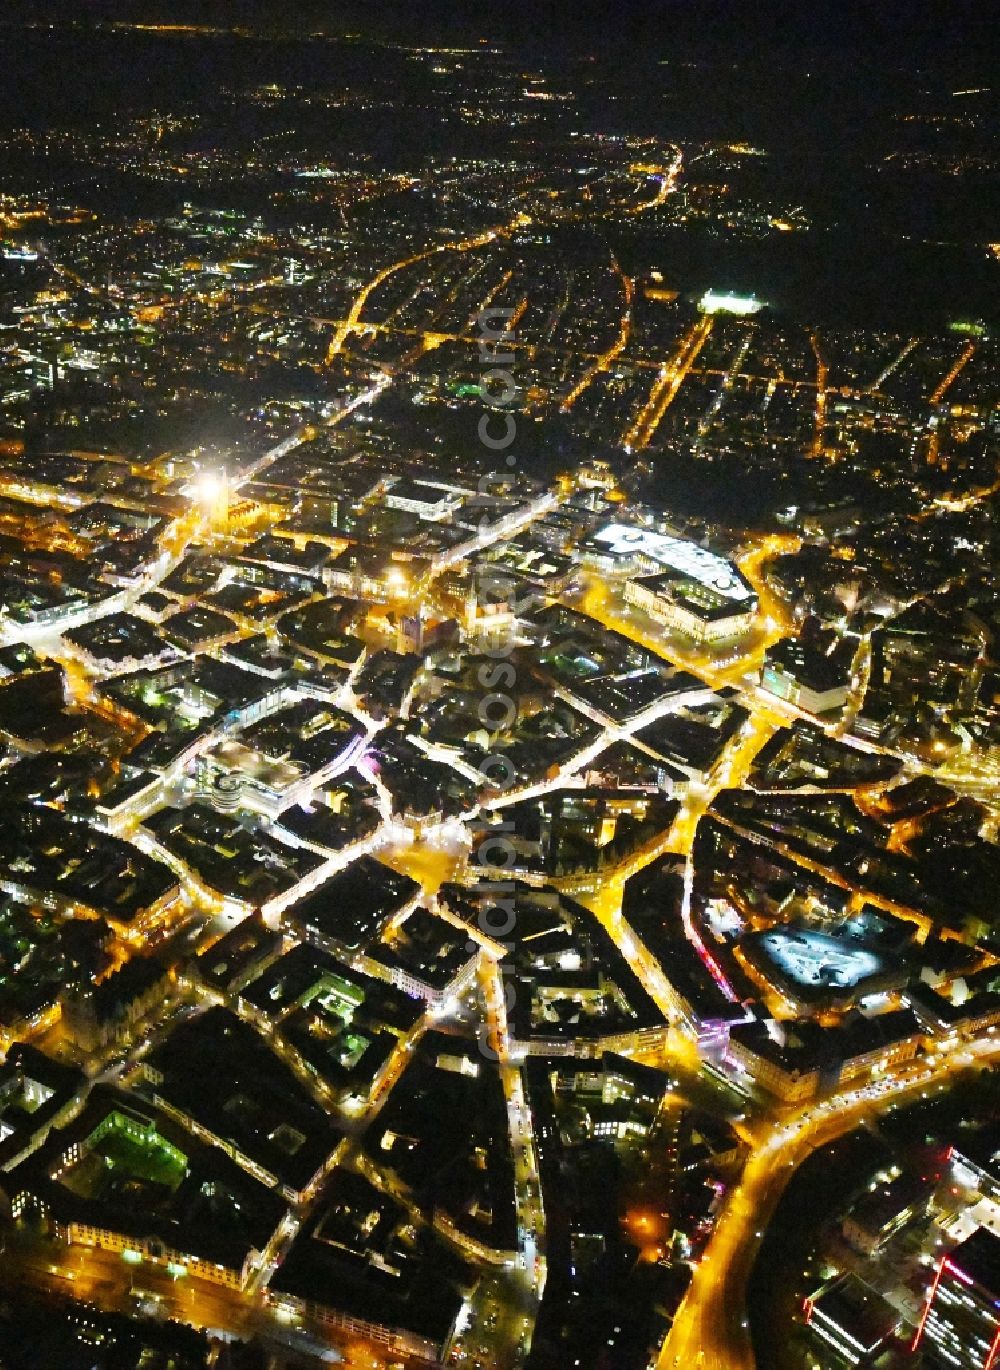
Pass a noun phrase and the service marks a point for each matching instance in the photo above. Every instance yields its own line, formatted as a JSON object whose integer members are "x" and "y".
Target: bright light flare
{"x": 208, "y": 488}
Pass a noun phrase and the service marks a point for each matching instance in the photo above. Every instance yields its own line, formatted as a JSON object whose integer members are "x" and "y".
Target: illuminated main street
{"x": 667, "y": 385}
{"x": 104, "y": 1280}
{"x": 176, "y": 539}
{"x": 606, "y": 358}
{"x": 255, "y": 616}
{"x": 353, "y": 320}
{"x": 711, "y": 1328}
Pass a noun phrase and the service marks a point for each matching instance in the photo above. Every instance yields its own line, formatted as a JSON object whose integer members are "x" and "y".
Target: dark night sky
{"x": 928, "y": 31}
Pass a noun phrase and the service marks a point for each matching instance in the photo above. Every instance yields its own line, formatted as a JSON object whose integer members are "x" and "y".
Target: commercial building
{"x": 36, "y": 1093}
{"x": 571, "y": 990}
{"x": 851, "y": 1317}
{"x": 338, "y": 1027}
{"x": 783, "y": 1059}
{"x": 872, "y": 1046}
{"x": 794, "y": 1060}
{"x": 95, "y": 1016}
{"x": 256, "y": 1110}
{"x": 961, "y": 1317}
{"x": 627, "y": 548}
{"x": 685, "y": 605}
{"x": 444, "y": 1134}
{"x": 429, "y": 500}
{"x": 353, "y": 908}
{"x": 121, "y": 1177}
{"x": 426, "y": 957}
{"x": 362, "y": 1265}
{"x": 239, "y": 956}
{"x": 810, "y": 679}
{"x": 814, "y": 971}
{"x": 878, "y": 1216}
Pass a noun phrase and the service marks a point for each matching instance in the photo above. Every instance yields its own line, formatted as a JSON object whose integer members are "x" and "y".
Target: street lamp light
{"x": 209, "y": 487}
{"x": 397, "y": 580}
{"x": 210, "y": 490}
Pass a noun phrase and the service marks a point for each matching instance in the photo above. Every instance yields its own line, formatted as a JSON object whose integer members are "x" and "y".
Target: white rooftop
{"x": 622, "y": 539}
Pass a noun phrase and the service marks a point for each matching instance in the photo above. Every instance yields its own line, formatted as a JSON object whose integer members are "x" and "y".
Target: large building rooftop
{"x": 621, "y": 540}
